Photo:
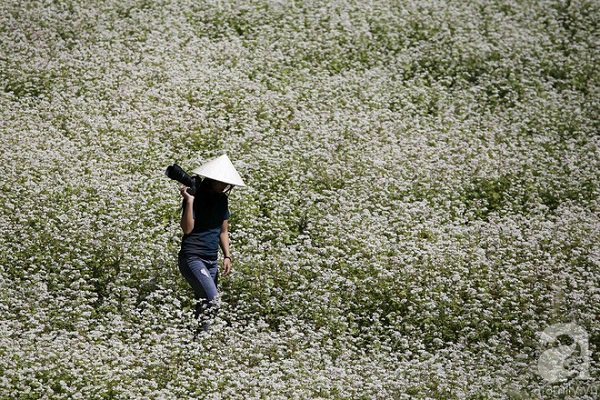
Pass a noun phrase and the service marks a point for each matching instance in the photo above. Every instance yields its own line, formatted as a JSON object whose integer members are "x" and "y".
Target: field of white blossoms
{"x": 422, "y": 200}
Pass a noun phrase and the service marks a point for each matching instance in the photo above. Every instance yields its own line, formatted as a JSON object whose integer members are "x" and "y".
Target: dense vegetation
{"x": 422, "y": 200}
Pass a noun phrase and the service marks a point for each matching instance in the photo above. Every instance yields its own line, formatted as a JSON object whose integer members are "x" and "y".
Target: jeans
{"x": 202, "y": 275}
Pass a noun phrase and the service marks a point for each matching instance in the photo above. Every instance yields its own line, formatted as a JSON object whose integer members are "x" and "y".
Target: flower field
{"x": 422, "y": 201}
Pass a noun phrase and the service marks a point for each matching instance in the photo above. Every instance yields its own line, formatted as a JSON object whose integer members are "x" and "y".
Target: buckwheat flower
{"x": 424, "y": 183}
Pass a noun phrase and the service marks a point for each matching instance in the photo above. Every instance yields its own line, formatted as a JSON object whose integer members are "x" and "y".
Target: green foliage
{"x": 422, "y": 195}
{"x": 487, "y": 195}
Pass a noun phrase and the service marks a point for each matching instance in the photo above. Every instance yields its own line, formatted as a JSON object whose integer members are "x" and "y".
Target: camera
{"x": 177, "y": 173}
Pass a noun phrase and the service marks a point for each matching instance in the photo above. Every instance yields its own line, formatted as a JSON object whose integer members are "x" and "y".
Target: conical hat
{"x": 220, "y": 169}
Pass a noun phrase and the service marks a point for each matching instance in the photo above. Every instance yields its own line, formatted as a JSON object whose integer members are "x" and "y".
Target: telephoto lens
{"x": 177, "y": 173}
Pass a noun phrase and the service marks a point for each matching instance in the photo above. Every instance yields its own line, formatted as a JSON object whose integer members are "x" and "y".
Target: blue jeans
{"x": 202, "y": 275}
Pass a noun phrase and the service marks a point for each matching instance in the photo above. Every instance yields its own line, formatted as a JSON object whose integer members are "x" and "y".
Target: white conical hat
{"x": 220, "y": 169}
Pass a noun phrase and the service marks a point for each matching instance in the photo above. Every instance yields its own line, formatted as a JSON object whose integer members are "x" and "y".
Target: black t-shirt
{"x": 210, "y": 210}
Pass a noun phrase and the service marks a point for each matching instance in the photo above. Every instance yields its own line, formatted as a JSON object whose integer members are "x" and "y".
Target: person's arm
{"x": 224, "y": 243}
{"x": 187, "y": 219}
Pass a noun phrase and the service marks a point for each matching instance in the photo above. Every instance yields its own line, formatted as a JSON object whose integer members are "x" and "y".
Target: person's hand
{"x": 184, "y": 193}
{"x": 226, "y": 266}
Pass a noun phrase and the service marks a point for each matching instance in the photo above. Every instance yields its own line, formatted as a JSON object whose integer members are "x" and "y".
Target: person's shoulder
{"x": 225, "y": 202}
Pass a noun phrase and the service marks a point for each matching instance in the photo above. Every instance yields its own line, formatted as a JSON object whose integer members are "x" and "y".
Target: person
{"x": 205, "y": 224}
